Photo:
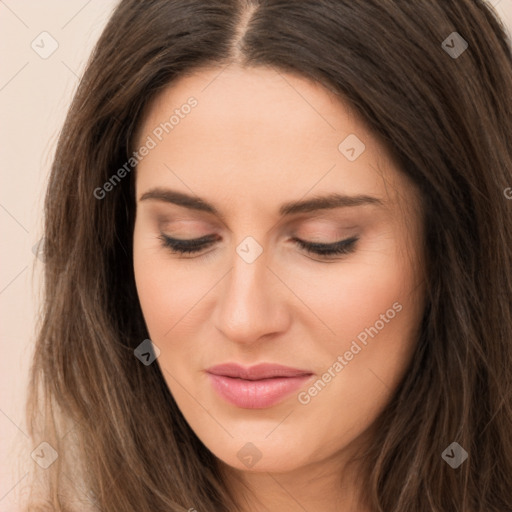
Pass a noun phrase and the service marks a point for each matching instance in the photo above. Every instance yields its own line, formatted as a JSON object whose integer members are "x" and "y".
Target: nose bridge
{"x": 249, "y": 306}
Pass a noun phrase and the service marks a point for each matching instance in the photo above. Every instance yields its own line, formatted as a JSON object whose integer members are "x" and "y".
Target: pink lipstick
{"x": 256, "y": 387}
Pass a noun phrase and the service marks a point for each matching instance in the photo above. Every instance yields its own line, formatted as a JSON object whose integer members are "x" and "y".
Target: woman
{"x": 278, "y": 246}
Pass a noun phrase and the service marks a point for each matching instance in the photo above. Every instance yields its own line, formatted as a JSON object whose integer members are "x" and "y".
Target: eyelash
{"x": 318, "y": 249}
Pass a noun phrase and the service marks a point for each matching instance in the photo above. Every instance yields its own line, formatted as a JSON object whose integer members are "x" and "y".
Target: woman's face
{"x": 239, "y": 156}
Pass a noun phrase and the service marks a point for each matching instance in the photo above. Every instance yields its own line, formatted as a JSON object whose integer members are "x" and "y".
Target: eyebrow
{"x": 316, "y": 203}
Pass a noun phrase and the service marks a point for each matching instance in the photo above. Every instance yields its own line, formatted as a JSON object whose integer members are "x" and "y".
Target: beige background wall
{"x": 36, "y": 87}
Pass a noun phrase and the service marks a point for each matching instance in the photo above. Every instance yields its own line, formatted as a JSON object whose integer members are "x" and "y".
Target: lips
{"x": 256, "y": 387}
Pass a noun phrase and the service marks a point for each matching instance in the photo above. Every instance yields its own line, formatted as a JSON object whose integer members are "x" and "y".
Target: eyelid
{"x": 203, "y": 240}
{"x": 323, "y": 250}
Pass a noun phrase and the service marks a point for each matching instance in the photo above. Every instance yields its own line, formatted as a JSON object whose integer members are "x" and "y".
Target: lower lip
{"x": 256, "y": 394}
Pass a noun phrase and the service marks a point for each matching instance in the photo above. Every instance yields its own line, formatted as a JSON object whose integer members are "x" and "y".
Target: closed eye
{"x": 196, "y": 245}
{"x": 340, "y": 247}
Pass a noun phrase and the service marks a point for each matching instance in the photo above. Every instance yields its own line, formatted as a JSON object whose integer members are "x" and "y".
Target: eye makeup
{"x": 197, "y": 245}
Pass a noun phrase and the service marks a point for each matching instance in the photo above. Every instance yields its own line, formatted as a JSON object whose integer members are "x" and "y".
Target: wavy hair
{"x": 122, "y": 442}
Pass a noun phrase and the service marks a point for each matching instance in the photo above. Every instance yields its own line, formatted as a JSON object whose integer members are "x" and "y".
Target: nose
{"x": 251, "y": 302}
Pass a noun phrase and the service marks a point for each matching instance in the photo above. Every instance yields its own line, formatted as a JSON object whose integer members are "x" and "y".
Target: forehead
{"x": 261, "y": 133}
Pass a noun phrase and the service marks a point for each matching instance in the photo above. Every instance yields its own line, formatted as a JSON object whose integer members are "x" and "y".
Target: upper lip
{"x": 256, "y": 372}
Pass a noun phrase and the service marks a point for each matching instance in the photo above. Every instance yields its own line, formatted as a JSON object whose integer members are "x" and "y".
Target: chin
{"x": 260, "y": 457}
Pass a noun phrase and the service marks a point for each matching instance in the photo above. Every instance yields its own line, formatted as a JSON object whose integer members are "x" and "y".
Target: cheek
{"x": 373, "y": 307}
{"x": 351, "y": 295}
{"x": 165, "y": 293}
{"x": 167, "y": 288}
{"x": 375, "y": 313}
{"x": 156, "y": 283}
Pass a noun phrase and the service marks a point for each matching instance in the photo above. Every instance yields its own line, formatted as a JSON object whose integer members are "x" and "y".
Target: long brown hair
{"x": 445, "y": 112}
